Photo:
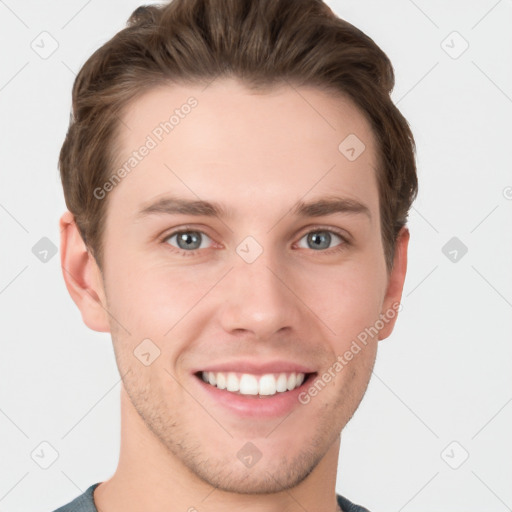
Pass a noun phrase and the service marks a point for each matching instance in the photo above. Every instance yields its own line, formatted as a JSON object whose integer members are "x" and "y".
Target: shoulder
{"x": 348, "y": 506}
{"x": 82, "y": 503}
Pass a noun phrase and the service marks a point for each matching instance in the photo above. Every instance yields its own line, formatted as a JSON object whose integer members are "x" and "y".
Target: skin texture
{"x": 257, "y": 154}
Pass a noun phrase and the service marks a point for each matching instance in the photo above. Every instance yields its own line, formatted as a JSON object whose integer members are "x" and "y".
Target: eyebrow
{"x": 170, "y": 205}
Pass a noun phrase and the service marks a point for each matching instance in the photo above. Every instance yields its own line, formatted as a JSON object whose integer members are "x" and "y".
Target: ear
{"x": 395, "y": 285}
{"x": 82, "y": 275}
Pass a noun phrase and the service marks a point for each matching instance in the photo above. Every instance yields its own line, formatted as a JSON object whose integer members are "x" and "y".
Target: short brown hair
{"x": 263, "y": 43}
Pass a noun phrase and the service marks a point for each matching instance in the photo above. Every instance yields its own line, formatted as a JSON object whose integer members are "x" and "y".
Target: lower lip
{"x": 254, "y": 406}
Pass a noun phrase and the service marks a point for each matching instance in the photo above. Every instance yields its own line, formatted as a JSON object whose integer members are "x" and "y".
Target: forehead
{"x": 228, "y": 144}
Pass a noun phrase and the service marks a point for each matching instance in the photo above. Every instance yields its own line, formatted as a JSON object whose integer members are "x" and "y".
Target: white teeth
{"x": 281, "y": 383}
{"x": 249, "y": 384}
{"x": 291, "y": 381}
{"x": 267, "y": 385}
{"x": 221, "y": 380}
{"x": 232, "y": 383}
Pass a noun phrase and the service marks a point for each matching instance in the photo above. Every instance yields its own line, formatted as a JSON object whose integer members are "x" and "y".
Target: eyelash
{"x": 185, "y": 229}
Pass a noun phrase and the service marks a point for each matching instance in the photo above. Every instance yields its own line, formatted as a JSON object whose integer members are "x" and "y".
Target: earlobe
{"x": 82, "y": 276}
{"x": 395, "y": 284}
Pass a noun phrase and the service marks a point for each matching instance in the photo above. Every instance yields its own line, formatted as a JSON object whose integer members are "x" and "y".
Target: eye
{"x": 321, "y": 239}
{"x": 187, "y": 240}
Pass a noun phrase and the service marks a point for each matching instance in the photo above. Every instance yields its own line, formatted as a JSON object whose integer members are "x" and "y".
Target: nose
{"x": 259, "y": 298}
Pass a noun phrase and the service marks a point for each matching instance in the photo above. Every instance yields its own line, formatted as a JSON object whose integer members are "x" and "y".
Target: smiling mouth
{"x": 247, "y": 384}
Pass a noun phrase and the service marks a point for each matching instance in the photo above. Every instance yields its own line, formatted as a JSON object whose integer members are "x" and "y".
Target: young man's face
{"x": 250, "y": 286}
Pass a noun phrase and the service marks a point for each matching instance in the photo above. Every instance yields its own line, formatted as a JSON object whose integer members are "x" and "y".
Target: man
{"x": 238, "y": 182}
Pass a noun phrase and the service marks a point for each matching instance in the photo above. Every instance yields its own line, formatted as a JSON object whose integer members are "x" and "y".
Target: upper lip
{"x": 261, "y": 368}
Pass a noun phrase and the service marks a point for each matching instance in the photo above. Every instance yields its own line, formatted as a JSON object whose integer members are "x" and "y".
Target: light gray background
{"x": 443, "y": 376}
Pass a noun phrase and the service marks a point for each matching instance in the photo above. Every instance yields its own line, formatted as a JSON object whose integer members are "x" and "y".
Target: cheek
{"x": 347, "y": 299}
{"x": 149, "y": 300}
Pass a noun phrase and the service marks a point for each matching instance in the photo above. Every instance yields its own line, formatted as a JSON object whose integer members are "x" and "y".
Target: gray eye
{"x": 320, "y": 239}
{"x": 188, "y": 240}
